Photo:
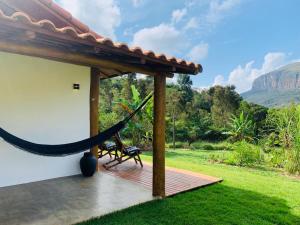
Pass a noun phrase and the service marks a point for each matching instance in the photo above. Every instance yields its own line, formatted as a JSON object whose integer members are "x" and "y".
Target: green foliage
{"x": 215, "y": 134}
{"x": 190, "y": 115}
{"x": 293, "y": 160}
{"x": 276, "y": 158}
{"x": 285, "y": 123}
{"x": 270, "y": 142}
{"x": 221, "y": 146}
{"x": 225, "y": 102}
{"x": 245, "y": 154}
{"x": 241, "y": 128}
{"x": 108, "y": 119}
{"x": 140, "y": 127}
{"x": 186, "y": 121}
{"x": 257, "y": 114}
{"x": 185, "y": 87}
{"x": 178, "y": 145}
{"x": 196, "y": 116}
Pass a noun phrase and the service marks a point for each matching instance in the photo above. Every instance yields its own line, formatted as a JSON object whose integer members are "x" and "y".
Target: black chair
{"x": 125, "y": 153}
{"x": 107, "y": 148}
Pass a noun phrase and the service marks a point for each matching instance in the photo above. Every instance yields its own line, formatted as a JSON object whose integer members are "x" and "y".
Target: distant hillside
{"x": 277, "y": 88}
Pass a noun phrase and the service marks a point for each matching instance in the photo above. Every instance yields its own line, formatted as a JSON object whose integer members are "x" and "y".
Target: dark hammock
{"x": 70, "y": 148}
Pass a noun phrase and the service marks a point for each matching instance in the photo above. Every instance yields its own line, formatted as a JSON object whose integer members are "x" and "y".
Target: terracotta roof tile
{"x": 88, "y": 35}
{"x": 68, "y": 16}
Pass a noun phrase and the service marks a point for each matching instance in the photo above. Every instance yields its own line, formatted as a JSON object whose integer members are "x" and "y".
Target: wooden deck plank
{"x": 177, "y": 180}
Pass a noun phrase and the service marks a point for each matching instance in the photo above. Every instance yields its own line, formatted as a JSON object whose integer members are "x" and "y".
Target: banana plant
{"x": 241, "y": 128}
{"x": 140, "y": 127}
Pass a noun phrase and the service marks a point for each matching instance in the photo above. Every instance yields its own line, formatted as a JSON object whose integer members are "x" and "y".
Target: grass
{"x": 246, "y": 196}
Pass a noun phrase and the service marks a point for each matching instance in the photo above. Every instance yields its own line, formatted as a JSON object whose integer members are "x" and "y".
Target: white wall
{"x": 38, "y": 103}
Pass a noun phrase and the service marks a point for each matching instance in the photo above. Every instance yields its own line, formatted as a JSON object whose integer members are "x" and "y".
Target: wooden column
{"x": 94, "y": 104}
{"x": 159, "y": 136}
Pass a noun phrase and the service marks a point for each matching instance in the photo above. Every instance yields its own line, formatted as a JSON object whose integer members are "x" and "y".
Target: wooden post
{"x": 94, "y": 104}
{"x": 159, "y": 136}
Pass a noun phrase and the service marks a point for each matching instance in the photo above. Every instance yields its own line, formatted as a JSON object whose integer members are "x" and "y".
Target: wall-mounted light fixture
{"x": 76, "y": 86}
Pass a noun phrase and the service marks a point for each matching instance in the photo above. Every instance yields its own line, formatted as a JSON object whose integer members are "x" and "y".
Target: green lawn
{"x": 246, "y": 196}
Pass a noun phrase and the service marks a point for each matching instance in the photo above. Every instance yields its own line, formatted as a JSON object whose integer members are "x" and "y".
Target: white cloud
{"x": 191, "y": 24}
{"x": 71, "y": 5}
{"x": 243, "y": 76}
{"x": 219, "y": 80}
{"x": 198, "y": 52}
{"x": 178, "y": 14}
{"x": 218, "y": 9}
{"x": 102, "y": 16}
{"x": 169, "y": 38}
{"x": 137, "y": 3}
{"x": 172, "y": 80}
{"x": 162, "y": 38}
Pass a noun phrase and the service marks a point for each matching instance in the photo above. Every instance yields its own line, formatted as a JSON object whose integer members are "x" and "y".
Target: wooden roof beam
{"x": 100, "y": 47}
{"x": 69, "y": 57}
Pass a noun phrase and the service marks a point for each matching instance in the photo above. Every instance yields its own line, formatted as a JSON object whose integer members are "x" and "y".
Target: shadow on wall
{"x": 218, "y": 204}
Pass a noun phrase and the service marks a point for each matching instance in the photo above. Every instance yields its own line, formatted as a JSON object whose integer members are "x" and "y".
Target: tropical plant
{"x": 241, "y": 128}
{"x": 285, "y": 122}
{"x": 140, "y": 127}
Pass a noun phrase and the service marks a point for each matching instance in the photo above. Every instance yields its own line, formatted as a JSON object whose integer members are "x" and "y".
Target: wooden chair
{"x": 125, "y": 153}
{"x": 107, "y": 148}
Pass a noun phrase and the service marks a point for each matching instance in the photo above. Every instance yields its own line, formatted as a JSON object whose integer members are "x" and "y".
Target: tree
{"x": 128, "y": 82}
{"x": 225, "y": 102}
{"x": 257, "y": 114}
{"x": 203, "y": 100}
{"x": 173, "y": 108}
{"x": 185, "y": 87}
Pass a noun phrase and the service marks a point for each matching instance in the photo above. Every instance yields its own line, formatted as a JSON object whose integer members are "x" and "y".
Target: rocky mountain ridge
{"x": 277, "y": 88}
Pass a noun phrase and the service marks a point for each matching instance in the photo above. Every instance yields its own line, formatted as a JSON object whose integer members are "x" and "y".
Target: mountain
{"x": 277, "y": 88}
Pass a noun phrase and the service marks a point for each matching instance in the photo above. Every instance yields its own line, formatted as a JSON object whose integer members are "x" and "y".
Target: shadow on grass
{"x": 217, "y": 204}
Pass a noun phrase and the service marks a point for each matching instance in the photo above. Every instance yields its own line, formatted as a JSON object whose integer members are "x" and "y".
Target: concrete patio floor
{"x": 74, "y": 199}
{"x": 68, "y": 200}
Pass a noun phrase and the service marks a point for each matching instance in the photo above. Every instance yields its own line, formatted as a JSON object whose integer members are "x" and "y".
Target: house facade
{"x": 39, "y": 104}
{"x": 44, "y": 51}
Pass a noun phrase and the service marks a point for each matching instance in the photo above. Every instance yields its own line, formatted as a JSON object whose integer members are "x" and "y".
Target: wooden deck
{"x": 177, "y": 181}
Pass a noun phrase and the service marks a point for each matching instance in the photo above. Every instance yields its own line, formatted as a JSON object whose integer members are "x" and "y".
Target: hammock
{"x": 70, "y": 148}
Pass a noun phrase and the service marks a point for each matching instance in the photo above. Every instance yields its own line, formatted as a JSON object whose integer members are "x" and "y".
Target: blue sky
{"x": 235, "y": 40}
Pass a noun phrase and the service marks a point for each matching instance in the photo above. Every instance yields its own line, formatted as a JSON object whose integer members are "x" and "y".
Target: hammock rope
{"x": 70, "y": 148}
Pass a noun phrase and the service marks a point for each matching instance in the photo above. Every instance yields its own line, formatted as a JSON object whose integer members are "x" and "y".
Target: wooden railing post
{"x": 94, "y": 105}
{"x": 159, "y": 136}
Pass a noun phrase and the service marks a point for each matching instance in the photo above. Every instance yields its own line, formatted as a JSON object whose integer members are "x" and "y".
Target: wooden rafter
{"x": 128, "y": 62}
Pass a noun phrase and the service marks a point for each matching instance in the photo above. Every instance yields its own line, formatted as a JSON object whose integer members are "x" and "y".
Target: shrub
{"x": 217, "y": 158}
{"x": 108, "y": 119}
{"x": 244, "y": 154}
{"x": 276, "y": 157}
{"x": 293, "y": 161}
{"x": 207, "y": 147}
{"x": 178, "y": 145}
{"x": 202, "y": 145}
{"x": 215, "y": 134}
{"x": 224, "y": 146}
{"x": 286, "y": 123}
{"x": 272, "y": 141}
